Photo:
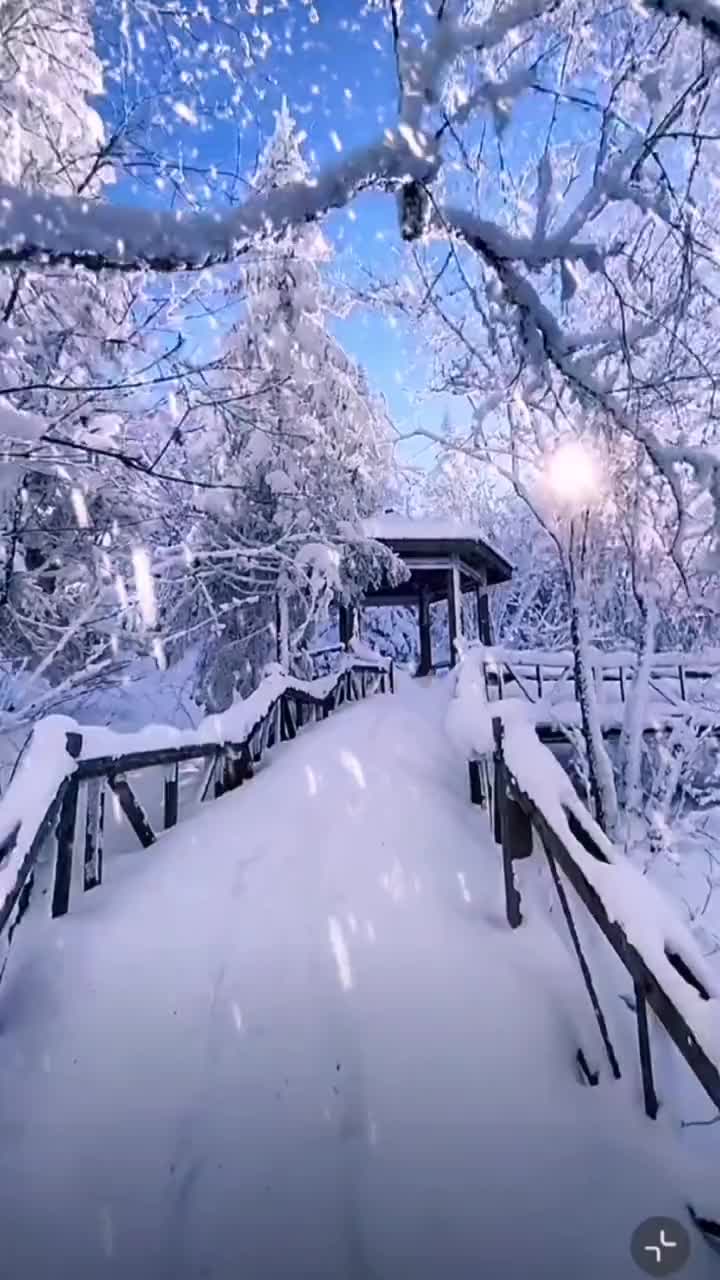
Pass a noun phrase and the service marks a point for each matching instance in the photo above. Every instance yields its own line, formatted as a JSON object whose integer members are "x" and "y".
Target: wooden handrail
{"x": 520, "y": 824}
{"x": 229, "y": 765}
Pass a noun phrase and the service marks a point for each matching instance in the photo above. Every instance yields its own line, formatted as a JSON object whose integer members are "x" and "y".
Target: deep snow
{"x": 297, "y": 1039}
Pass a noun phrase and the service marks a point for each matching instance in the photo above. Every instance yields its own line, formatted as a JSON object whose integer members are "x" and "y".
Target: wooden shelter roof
{"x": 443, "y": 541}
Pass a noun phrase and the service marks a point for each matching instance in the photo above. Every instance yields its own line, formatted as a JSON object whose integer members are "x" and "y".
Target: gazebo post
{"x": 425, "y": 666}
{"x": 483, "y": 616}
{"x": 454, "y": 614}
{"x": 346, "y": 622}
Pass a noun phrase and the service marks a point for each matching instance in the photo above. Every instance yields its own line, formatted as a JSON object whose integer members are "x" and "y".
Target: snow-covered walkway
{"x": 297, "y": 1040}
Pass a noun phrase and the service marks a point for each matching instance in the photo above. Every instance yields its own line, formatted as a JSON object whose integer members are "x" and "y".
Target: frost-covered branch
{"x": 44, "y": 229}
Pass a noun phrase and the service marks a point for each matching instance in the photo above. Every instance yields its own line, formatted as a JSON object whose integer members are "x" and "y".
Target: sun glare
{"x": 572, "y": 475}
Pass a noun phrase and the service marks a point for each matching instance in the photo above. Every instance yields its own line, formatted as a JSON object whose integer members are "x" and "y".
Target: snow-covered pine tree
{"x": 296, "y": 430}
{"x": 63, "y": 510}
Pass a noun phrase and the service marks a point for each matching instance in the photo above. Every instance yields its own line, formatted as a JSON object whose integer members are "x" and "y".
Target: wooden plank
{"x": 94, "y": 829}
{"x": 652, "y": 1105}
{"x": 132, "y": 809}
{"x": 101, "y": 766}
{"x": 171, "y": 796}
{"x": 66, "y": 834}
{"x": 287, "y": 723}
{"x": 673, "y": 701}
{"x": 23, "y": 903}
{"x": 512, "y": 672}
{"x": 277, "y": 723}
{"x": 208, "y": 775}
{"x": 584, "y": 967}
{"x": 558, "y": 680}
{"x": 589, "y": 1076}
{"x": 30, "y": 858}
{"x": 477, "y": 795}
{"x": 496, "y": 818}
{"x": 237, "y": 767}
{"x": 261, "y": 738}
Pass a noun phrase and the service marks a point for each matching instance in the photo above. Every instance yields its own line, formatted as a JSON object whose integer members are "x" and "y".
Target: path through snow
{"x": 297, "y": 1040}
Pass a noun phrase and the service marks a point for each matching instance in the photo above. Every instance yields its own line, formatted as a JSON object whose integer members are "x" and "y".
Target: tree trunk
{"x": 600, "y": 770}
{"x": 631, "y": 741}
{"x": 283, "y": 631}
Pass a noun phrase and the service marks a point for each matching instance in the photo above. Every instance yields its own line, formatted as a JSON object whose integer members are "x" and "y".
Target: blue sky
{"x": 340, "y": 82}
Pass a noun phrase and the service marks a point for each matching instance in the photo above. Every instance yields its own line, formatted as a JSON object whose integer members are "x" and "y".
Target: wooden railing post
{"x": 498, "y": 775}
{"x": 584, "y": 967}
{"x": 515, "y": 829}
{"x": 66, "y": 833}
{"x": 237, "y": 767}
{"x": 170, "y": 805}
{"x": 477, "y": 793}
{"x": 652, "y": 1106}
{"x": 94, "y": 829}
{"x": 132, "y": 809}
{"x": 287, "y": 723}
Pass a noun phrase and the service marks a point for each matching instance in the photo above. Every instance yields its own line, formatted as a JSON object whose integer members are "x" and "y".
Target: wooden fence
{"x": 227, "y": 765}
{"x": 673, "y": 677}
{"x": 519, "y": 826}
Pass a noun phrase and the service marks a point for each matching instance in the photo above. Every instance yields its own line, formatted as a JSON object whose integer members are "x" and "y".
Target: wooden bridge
{"x": 52, "y": 824}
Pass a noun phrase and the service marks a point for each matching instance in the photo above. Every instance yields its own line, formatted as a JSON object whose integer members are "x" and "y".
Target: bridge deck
{"x": 296, "y": 1039}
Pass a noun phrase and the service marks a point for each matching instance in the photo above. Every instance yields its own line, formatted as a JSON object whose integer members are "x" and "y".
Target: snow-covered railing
{"x": 41, "y": 803}
{"x": 533, "y": 807}
{"x": 548, "y": 676}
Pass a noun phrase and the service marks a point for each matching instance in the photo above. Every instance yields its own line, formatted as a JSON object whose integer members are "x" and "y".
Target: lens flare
{"x": 573, "y": 476}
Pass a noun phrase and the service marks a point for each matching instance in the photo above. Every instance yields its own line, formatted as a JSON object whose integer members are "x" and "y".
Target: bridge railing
{"x": 533, "y": 809}
{"x": 40, "y": 810}
{"x": 538, "y": 676}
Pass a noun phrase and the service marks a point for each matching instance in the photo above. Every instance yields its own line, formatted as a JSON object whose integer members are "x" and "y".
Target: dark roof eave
{"x": 472, "y": 551}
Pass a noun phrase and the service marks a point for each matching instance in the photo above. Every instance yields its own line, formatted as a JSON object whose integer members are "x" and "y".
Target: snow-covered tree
{"x": 290, "y": 426}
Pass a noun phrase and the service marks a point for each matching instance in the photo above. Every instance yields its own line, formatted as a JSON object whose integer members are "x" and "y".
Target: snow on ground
{"x": 297, "y": 1039}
